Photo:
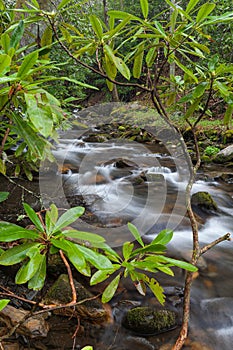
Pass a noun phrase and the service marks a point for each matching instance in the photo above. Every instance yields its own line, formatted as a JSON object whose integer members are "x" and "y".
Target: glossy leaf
{"x": 27, "y": 64}
{"x": 16, "y": 254}
{"x": 150, "y": 248}
{"x": 164, "y": 237}
{"x": 98, "y": 260}
{"x": 84, "y": 236}
{"x": 200, "y": 89}
{"x": 71, "y": 215}
{"x": 119, "y": 63}
{"x": 5, "y": 42}
{"x": 110, "y": 289}
{"x": 97, "y": 26}
{"x": 151, "y": 56}
{"x": 29, "y": 269}
{"x": 223, "y": 89}
{"x": 166, "y": 270}
{"x": 157, "y": 290}
{"x": 51, "y": 217}
{"x": 144, "y": 7}
{"x": 138, "y": 60}
{"x": 37, "y": 281}
{"x": 11, "y": 232}
{"x": 187, "y": 71}
{"x": 17, "y": 34}
{"x": 204, "y": 11}
{"x": 100, "y": 276}
{"x": 3, "y": 303}
{"x": 33, "y": 217}
{"x": 133, "y": 229}
{"x": 3, "y": 197}
{"x": 127, "y": 250}
{"x": 5, "y": 61}
{"x": 228, "y": 115}
{"x": 72, "y": 251}
{"x": 191, "y": 5}
{"x": 182, "y": 264}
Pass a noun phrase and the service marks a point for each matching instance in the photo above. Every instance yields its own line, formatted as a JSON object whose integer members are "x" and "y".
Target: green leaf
{"x": 33, "y": 217}
{"x": 84, "y": 236}
{"x": 133, "y": 229}
{"x": 164, "y": 237}
{"x": 110, "y": 289}
{"x": 3, "y": 303}
{"x": 228, "y": 114}
{"x": 223, "y": 88}
{"x": 23, "y": 129}
{"x": 77, "y": 82}
{"x": 37, "y": 281}
{"x": 5, "y": 42}
{"x": 62, "y": 4}
{"x": 29, "y": 269}
{"x": 144, "y": 7}
{"x": 119, "y": 63}
{"x": 160, "y": 29}
{"x": 150, "y": 248}
{"x": 5, "y": 62}
{"x": 51, "y": 217}
{"x": 127, "y": 250}
{"x": 97, "y": 26}
{"x": 100, "y": 276}
{"x": 3, "y": 197}
{"x": 138, "y": 60}
{"x": 27, "y": 64}
{"x": 166, "y": 270}
{"x": 47, "y": 37}
{"x": 186, "y": 70}
{"x": 200, "y": 90}
{"x": 16, "y": 254}
{"x": 151, "y": 56}
{"x": 191, "y": 5}
{"x": 17, "y": 34}
{"x": 182, "y": 264}
{"x": 72, "y": 251}
{"x": 204, "y": 11}
{"x": 157, "y": 290}
{"x": 11, "y": 232}
{"x": 98, "y": 260}
{"x": 88, "y": 347}
{"x": 71, "y": 215}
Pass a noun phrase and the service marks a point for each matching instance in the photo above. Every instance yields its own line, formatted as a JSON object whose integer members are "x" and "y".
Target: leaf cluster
{"x": 85, "y": 251}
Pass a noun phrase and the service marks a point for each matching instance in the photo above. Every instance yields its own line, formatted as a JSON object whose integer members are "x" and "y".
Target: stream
{"x": 122, "y": 181}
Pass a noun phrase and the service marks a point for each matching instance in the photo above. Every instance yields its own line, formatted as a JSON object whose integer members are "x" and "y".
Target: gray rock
{"x": 225, "y": 155}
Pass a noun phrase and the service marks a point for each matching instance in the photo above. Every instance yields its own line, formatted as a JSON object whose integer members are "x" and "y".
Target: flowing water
{"x": 126, "y": 181}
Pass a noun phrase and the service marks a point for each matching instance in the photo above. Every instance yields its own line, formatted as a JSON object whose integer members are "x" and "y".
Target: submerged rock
{"x": 148, "y": 321}
{"x": 60, "y": 294}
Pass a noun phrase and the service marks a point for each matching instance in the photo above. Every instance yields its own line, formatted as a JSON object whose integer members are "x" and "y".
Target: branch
{"x": 73, "y": 289}
{"x": 103, "y": 75}
{"x": 207, "y": 247}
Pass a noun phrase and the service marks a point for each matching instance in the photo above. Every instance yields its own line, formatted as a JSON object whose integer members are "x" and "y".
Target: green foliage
{"x": 3, "y": 303}
{"x": 137, "y": 263}
{"x": 53, "y": 234}
{"x": 3, "y": 196}
{"x": 211, "y": 151}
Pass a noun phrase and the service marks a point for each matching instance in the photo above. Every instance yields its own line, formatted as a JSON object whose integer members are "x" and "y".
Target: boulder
{"x": 203, "y": 200}
{"x": 148, "y": 320}
{"x": 225, "y": 155}
{"x": 60, "y": 294}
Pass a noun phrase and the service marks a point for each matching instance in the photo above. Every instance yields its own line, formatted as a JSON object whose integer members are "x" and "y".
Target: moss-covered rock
{"x": 225, "y": 155}
{"x": 204, "y": 201}
{"x": 60, "y": 294}
{"x": 147, "y": 320}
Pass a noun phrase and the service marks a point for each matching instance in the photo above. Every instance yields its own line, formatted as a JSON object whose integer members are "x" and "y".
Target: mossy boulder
{"x": 225, "y": 155}
{"x": 203, "y": 200}
{"x": 60, "y": 294}
{"x": 147, "y": 320}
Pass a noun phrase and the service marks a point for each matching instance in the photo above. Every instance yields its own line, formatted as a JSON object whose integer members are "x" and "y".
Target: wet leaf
{"x": 11, "y": 232}
{"x": 37, "y": 281}
{"x": 71, "y": 215}
{"x": 127, "y": 250}
{"x": 164, "y": 237}
{"x": 98, "y": 260}
{"x": 133, "y": 229}
{"x": 27, "y": 64}
{"x": 33, "y": 217}
{"x": 3, "y": 197}
{"x": 110, "y": 289}
{"x": 17, "y": 34}
{"x": 16, "y": 254}
{"x": 84, "y": 236}
{"x": 3, "y": 303}
{"x": 204, "y": 11}
{"x": 29, "y": 269}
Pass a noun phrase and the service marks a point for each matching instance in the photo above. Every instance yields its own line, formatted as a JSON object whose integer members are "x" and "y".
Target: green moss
{"x": 204, "y": 200}
{"x": 146, "y": 320}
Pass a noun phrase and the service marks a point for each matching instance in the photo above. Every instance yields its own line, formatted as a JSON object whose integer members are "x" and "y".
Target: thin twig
{"x": 74, "y": 294}
{"x": 226, "y": 237}
{"x": 21, "y": 186}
